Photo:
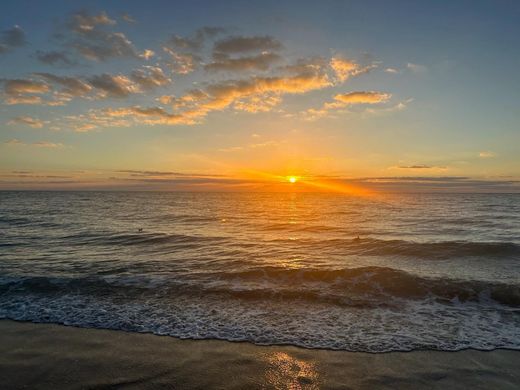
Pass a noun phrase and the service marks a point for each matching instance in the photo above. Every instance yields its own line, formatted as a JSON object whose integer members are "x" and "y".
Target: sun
{"x": 292, "y": 179}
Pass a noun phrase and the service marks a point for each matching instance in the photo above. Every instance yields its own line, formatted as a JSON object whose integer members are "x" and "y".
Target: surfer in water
{"x": 357, "y": 239}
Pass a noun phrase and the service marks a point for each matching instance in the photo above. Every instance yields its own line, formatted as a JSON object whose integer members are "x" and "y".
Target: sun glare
{"x": 292, "y": 179}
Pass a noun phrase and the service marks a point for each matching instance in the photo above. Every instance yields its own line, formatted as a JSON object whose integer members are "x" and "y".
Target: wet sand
{"x": 54, "y": 356}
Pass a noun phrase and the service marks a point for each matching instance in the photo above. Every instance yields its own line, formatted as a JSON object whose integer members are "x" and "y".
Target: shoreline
{"x": 281, "y": 345}
{"x": 38, "y": 355}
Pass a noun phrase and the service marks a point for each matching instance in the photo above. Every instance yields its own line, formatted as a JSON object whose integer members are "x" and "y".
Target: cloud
{"x": 55, "y": 57}
{"x": 417, "y": 166}
{"x": 11, "y": 38}
{"x": 60, "y": 89}
{"x": 306, "y": 65}
{"x": 345, "y": 68}
{"x": 84, "y": 127}
{"x": 128, "y": 18}
{"x": 93, "y": 40}
{"x": 147, "y": 54}
{"x": 12, "y": 100}
{"x": 133, "y": 172}
{"x": 183, "y": 57}
{"x": 47, "y": 144}
{"x": 71, "y": 86}
{"x": 149, "y": 77}
{"x": 24, "y": 91}
{"x": 345, "y": 100}
{"x": 222, "y": 95}
{"x": 83, "y": 21}
{"x": 93, "y": 36}
{"x": 439, "y": 183}
{"x": 13, "y": 142}
{"x": 181, "y": 63}
{"x": 92, "y": 121}
{"x": 15, "y": 90}
{"x": 251, "y": 95}
{"x": 239, "y": 44}
{"x": 151, "y": 115}
{"x": 244, "y": 94}
{"x": 118, "y": 86}
{"x": 249, "y": 147}
{"x": 416, "y": 68}
{"x": 262, "y": 103}
{"x": 370, "y": 97}
{"x": 255, "y": 53}
{"x": 39, "y": 144}
{"x": 26, "y": 120}
{"x": 486, "y": 154}
{"x": 400, "y": 106}
{"x": 139, "y": 173}
{"x": 30, "y": 174}
{"x": 196, "y": 41}
{"x": 261, "y": 61}
{"x": 14, "y": 87}
{"x": 391, "y": 70}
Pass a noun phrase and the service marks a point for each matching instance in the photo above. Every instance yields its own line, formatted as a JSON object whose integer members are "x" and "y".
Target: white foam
{"x": 414, "y": 325}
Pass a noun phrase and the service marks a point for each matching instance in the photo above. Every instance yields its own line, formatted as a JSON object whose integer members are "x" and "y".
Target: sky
{"x": 342, "y": 96}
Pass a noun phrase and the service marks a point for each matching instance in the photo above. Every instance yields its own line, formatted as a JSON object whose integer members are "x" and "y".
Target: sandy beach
{"x": 54, "y": 356}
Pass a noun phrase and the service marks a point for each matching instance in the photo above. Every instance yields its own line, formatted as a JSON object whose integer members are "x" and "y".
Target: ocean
{"x": 429, "y": 271}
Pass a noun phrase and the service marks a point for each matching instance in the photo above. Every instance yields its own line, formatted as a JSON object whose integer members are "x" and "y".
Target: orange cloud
{"x": 252, "y": 95}
{"x": 370, "y": 97}
{"x": 344, "y": 100}
{"x": 345, "y": 68}
{"x": 16, "y": 87}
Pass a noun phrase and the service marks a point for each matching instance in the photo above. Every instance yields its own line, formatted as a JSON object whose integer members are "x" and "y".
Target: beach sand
{"x": 54, "y": 356}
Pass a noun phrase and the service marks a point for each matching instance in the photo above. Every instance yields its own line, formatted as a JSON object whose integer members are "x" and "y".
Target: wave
{"x": 363, "y": 247}
{"x": 376, "y": 284}
{"x": 431, "y": 250}
{"x": 447, "y": 249}
{"x": 255, "y": 315}
{"x": 361, "y": 287}
{"x": 143, "y": 238}
{"x": 27, "y": 222}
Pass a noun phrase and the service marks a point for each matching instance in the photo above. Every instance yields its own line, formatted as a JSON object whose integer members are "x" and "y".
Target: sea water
{"x": 429, "y": 271}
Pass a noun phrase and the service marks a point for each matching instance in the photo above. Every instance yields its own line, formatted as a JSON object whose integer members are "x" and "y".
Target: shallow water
{"x": 430, "y": 271}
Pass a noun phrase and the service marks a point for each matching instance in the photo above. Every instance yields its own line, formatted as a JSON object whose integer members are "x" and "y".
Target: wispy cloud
{"x": 26, "y": 120}
{"x": 252, "y": 146}
{"x": 419, "y": 167}
{"x": 39, "y": 144}
{"x": 486, "y": 154}
{"x": 416, "y": 68}
{"x": 47, "y": 144}
{"x": 345, "y": 100}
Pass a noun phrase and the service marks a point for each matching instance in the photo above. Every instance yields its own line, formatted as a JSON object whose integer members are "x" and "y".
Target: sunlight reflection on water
{"x": 287, "y": 372}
